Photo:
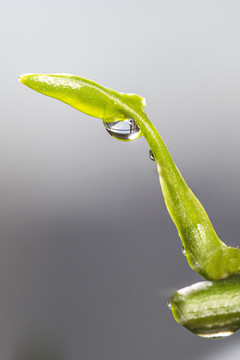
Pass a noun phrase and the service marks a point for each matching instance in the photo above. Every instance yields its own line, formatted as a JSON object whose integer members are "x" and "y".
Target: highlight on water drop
{"x": 169, "y": 305}
{"x": 126, "y": 130}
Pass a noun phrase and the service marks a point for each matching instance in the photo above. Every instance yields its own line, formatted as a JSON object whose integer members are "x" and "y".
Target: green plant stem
{"x": 205, "y": 252}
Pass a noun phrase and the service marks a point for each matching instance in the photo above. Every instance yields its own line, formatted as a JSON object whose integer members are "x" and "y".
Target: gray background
{"x": 88, "y": 252}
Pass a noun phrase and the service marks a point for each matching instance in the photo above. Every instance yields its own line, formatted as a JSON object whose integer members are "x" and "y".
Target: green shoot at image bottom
{"x": 123, "y": 115}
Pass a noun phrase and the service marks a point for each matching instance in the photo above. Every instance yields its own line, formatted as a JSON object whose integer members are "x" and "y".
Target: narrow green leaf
{"x": 84, "y": 95}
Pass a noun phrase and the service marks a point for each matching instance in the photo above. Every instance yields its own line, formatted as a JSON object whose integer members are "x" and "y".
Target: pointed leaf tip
{"x": 85, "y": 95}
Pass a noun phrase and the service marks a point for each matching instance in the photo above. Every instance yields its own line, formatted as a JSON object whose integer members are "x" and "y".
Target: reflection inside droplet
{"x": 126, "y": 130}
{"x": 220, "y": 334}
{"x": 209, "y": 309}
{"x": 169, "y": 305}
{"x": 151, "y": 155}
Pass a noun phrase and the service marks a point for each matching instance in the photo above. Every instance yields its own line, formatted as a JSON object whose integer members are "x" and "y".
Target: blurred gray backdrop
{"x": 88, "y": 252}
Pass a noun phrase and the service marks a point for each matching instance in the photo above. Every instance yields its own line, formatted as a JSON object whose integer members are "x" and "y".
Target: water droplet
{"x": 209, "y": 308}
{"x": 151, "y": 155}
{"x": 126, "y": 130}
{"x": 169, "y": 305}
{"x": 184, "y": 251}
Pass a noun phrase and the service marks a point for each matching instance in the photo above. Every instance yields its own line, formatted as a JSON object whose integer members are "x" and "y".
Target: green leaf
{"x": 205, "y": 252}
{"x": 84, "y": 95}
